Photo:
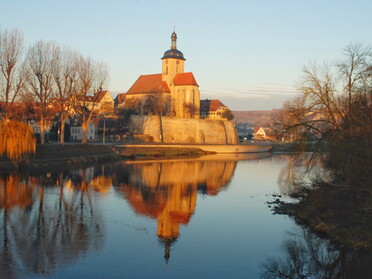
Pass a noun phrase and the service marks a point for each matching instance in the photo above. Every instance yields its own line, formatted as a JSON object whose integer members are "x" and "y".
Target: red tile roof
{"x": 180, "y": 217}
{"x": 210, "y": 105}
{"x": 256, "y": 129}
{"x": 149, "y": 84}
{"x": 185, "y": 79}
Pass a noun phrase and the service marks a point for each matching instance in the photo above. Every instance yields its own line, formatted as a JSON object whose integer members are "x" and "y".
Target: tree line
{"x": 334, "y": 114}
{"x": 46, "y": 77}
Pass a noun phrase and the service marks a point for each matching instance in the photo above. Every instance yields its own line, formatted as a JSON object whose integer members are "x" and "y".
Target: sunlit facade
{"x": 173, "y": 92}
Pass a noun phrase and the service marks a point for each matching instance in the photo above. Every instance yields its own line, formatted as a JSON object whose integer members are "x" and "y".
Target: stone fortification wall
{"x": 185, "y": 130}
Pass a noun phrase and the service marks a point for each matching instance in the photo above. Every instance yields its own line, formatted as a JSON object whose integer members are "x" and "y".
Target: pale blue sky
{"x": 249, "y": 54}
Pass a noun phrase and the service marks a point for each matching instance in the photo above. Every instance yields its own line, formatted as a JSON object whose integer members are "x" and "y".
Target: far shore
{"x": 50, "y": 156}
{"x": 70, "y": 154}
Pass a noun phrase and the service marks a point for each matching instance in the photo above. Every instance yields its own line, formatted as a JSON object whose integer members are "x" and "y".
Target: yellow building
{"x": 101, "y": 102}
{"x": 172, "y": 92}
{"x": 213, "y": 109}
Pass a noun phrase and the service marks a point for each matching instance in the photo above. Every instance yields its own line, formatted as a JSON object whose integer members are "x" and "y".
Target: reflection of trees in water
{"x": 167, "y": 191}
{"x": 301, "y": 172}
{"x": 43, "y": 224}
{"x": 308, "y": 256}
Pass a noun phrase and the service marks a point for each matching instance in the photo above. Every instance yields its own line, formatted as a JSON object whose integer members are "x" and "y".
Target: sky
{"x": 249, "y": 54}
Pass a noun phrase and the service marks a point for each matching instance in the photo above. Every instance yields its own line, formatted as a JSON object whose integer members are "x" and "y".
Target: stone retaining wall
{"x": 185, "y": 130}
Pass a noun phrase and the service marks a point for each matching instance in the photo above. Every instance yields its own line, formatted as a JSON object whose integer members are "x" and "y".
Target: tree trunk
{"x": 62, "y": 132}
{"x": 84, "y": 127}
{"x": 161, "y": 128}
{"x": 42, "y": 131}
{"x": 62, "y": 129}
{"x": 104, "y": 130}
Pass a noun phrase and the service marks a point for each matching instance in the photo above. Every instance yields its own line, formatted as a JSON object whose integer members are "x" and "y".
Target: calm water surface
{"x": 193, "y": 218}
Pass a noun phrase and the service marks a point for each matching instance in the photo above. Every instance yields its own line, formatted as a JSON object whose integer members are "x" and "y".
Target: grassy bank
{"x": 55, "y": 155}
{"x": 70, "y": 154}
{"x": 340, "y": 214}
{"x": 154, "y": 151}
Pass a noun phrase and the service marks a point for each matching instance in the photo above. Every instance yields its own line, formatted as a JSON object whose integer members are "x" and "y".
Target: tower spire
{"x": 174, "y": 40}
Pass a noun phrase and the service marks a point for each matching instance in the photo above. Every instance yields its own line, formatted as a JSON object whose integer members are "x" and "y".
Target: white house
{"x": 76, "y": 132}
{"x": 259, "y": 133}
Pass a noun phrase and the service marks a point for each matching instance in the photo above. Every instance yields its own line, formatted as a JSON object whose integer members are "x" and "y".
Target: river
{"x": 202, "y": 217}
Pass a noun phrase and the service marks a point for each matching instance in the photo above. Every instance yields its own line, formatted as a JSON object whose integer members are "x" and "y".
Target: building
{"x": 76, "y": 131}
{"x": 101, "y": 102}
{"x": 172, "y": 92}
{"x": 259, "y": 133}
{"x": 213, "y": 109}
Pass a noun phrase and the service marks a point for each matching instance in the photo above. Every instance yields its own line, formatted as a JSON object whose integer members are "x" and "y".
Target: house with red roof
{"x": 101, "y": 102}
{"x": 172, "y": 92}
{"x": 259, "y": 133}
{"x": 213, "y": 109}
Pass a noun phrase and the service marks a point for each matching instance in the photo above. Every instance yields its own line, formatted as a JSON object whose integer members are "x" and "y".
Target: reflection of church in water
{"x": 167, "y": 191}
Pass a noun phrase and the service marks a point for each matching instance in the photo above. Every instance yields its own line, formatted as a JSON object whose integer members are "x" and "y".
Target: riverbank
{"x": 289, "y": 147}
{"x": 342, "y": 215}
{"x": 56, "y": 155}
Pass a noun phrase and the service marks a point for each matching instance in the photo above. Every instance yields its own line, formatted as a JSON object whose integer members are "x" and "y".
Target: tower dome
{"x": 173, "y": 52}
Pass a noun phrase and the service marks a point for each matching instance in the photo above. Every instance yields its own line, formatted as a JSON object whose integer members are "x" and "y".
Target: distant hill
{"x": 254, "y": 117}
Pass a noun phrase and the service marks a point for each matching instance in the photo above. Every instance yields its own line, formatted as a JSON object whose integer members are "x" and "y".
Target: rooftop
{"x": 149, "y": 84}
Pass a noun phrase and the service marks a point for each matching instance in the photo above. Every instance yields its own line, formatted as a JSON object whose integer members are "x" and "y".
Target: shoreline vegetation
{"x": 338, "y": 214}
{"x": 55, "y": 155}
{"x": 334, "y": 112}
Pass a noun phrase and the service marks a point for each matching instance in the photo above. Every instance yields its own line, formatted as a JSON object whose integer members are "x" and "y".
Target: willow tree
{"x": 17, "y": 140}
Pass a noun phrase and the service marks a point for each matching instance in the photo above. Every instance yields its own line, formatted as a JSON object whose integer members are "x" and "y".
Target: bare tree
{"x": 317, "y": 112}
{"x": 92, "y": 77}
{"x": 12, "y": 75}
{"x": 65, "y": 72}
{"x": 335, "y": 113}
{"x": 160, "y": 106}
{"x": 353, "y": 68}
{"x": 354, "y": 71}
{"x": 41, "y": 61}
{"x": 190, "y": 109}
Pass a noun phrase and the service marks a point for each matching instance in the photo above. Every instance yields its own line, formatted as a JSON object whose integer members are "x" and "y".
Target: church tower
{"x": 185, "y": 95}
{"x": 173, "y": 62}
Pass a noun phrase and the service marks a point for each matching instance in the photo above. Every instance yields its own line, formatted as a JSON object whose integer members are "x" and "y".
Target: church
{"x": 171, "y": 93}
{"x": 166, "y": 106}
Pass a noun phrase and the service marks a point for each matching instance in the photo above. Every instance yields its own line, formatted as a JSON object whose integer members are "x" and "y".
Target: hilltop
{"x": 254, "y": 117}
